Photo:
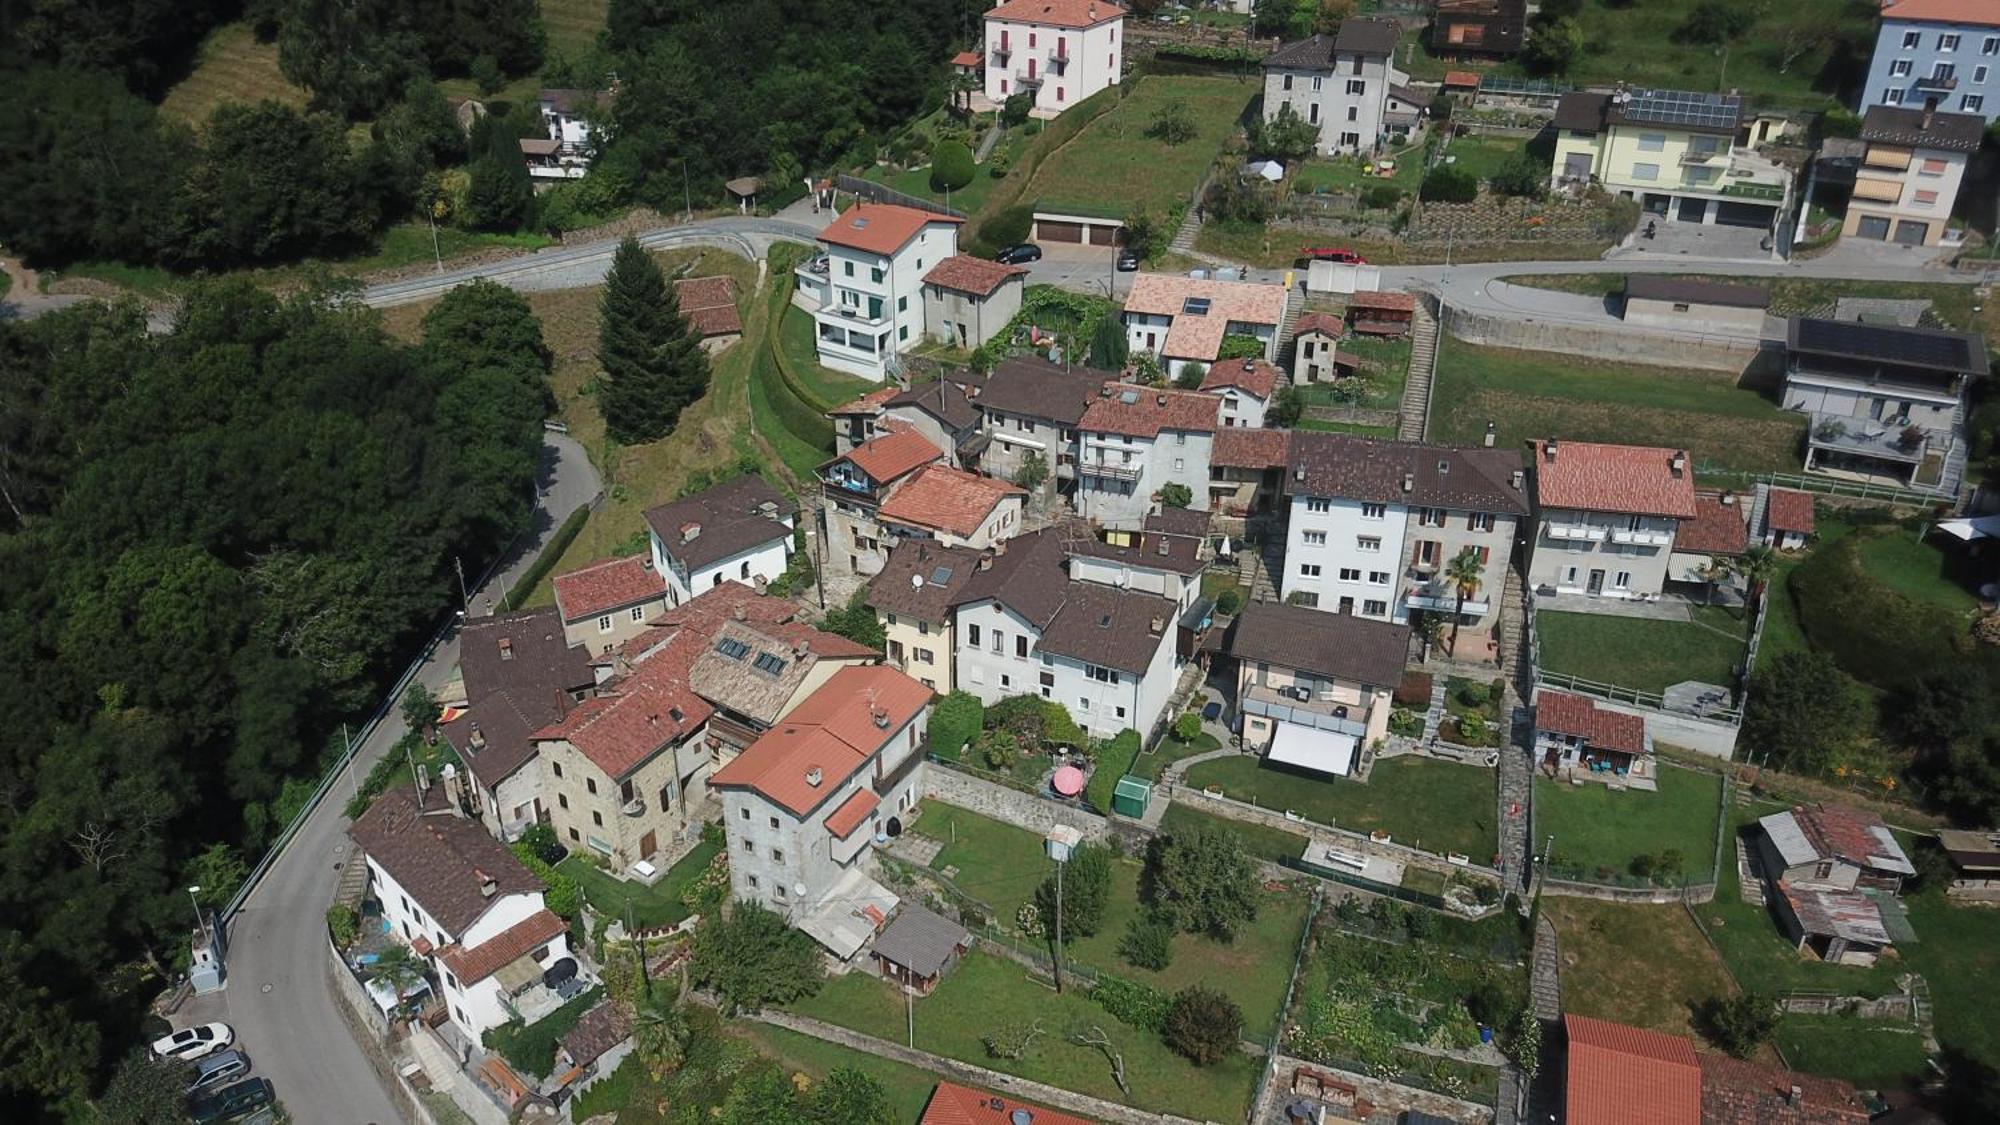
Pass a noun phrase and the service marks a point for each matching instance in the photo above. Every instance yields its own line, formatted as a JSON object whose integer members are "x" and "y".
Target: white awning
{"x": 1978, "y": 527}
{"x": 850, "y": 913}
{"x": 1322, "y": 751}
{"x": 384, "y": 994}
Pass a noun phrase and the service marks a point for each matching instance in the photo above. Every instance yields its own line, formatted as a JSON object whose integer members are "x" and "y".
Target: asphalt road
{"x": 277, "y": 997}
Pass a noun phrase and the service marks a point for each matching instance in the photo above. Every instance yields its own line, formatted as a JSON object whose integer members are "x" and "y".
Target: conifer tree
{"x": 653, "y": 363}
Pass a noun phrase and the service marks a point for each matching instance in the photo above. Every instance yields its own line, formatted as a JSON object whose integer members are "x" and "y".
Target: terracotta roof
{"x": 889, "y": 457}
{"x": 604, "y": 586}
{"x": 880, "y": 228}
{"x": 1240, "y": 447}
{"x": 473, "y": 965}
{"x": 870, "y": 403}
{"x": 942, "y": 498}
{"x": 709, "y": 304}
{"x": 968, "y": 274}
{"x": 1635, "y": 479}
{"x": 519, "y": 674}
{"x": 1654, "y": 287}
{"x": 1378, "y": 299}
{"x": 952, "y": 1104}
{"x": 1405, "y": 472}
{"x": 1252, "y": 375}
{"x": 730, "y": 518}
{"x": 893, "y": 591}
{"x": 1981, "y": 12}
{"x": 968, "y": 58}
{"x": 1058, "y": 13}
{"x": 834, "y": 732}
{"x": 1325, "y": 323}
{"x": 633, "y": 720}
{"x": 1915, "y": 128}
{"x": 759, "y": 675}
{"x": 1032, "y": 387}
{"x": 1461, "y": 78}
{"x": 1621, "y": 1075}
{"x": 1561, "y": 713}
{"x": 442, "y": 860}
{"x": 600, "y": 1029}
{"x": 1787, "y": 510}
{"x": 842, "y": 822}
{"x": 1109, "y": 627}
{"x": 1717, "y": 528}
{"x": 1734, "y": 1092}
{"x": 1338, "y": 646}
{"x": 1138, "y": 411}
{"x": 1198, "y": 336}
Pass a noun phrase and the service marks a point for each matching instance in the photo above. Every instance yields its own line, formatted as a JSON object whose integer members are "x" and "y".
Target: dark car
{"x": 1213, "y": 711}
{"x": 1015, "y": 255}
{"x": 232, "y": 1101}
{"x": 1128, "y": 259}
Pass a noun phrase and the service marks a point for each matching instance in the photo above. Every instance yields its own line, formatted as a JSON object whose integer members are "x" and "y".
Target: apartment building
{"x": 1246, "y": 388}
{"x": 1165, "y": 556}
{"x": 739, "y": 530}
{"x": 1606, "y": 516}
{"x": 1060, "y": 51}
{"x": 1885, "y": 401}
{"x": 607, "y": 603}
{"x": 1133, "y": 442}
{"x": 1375, "y": 524}
{"x": 1031, "y": 409}
{"x": 942, "y": 411}
{"x": 1936, "y": 54}
{"x": 912, "y": 599}
{"x": 520, "y": 673}
{"x": 968, "y": 300}
{"x": 1184, "y": 320}
{"x": 856, "y": 485}
{"x": 1674, "y": 151}
{"x": 866, "y": 291}
{"x": 1346, "y": 84}
{"x": 1910, "y": 173}
{"x": 1314, "y": 691}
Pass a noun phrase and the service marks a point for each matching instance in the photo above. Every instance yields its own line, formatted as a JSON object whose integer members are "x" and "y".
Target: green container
{"x": 1131, "y": 796}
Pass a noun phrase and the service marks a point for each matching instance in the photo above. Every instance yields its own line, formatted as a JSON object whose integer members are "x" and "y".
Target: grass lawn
{"x": 1871, "y": 1054}
{"x": 908, "y": 1087}
{"x": 1538, "y": 394}
{"x": 1424, "y": 803}
{"x": 230, "y": 66}
{"x": 1113, "y": 167}
{"x": 1638, "y": 964}
{"x": 573, "y": 25}
{"x": 1957, "y": 948}
{"x": 532, "y": 1048}
{"x": 1171, "y": 750}
{"x": 1782, "y": 631}
{"x": 1916, "y": 569}
{"x": 1597, "y": 830}
{"x": 1483, "y": 154}
{"x": 1262, "y": 841}
{"x": 917, "y": 181}
{"x": 657, "y": 905}
{"x": 1344, "y": 428}
{"x": 835, "y": 388}
{"x": 985, "y": 994}
{"x": 1346, "y": 175}
{"x": 1642, "y": 654}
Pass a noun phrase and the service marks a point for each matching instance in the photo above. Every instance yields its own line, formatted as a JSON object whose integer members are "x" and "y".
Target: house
{"x": 918, "y": 947}
{"x": 1674, "y": 151}
{"x": 1376, "y": 313}
{"x": 1884, "y": 400}
{"x": 912, "y": 599}
{"x": 1619, "y": 1075}
{"x": 1341, "y": 83}
{"x": 1246, "y": 388}
{"x": 1313, "y": 688}
{"x": 521, "y": 673}
{"x": 952, "y": 1104}
{"x": 709, "y": 305}
{"x": 594, "y": 1044}
{"x": 573, "y": 138}
{"x": 1975, "y": 859}
{"x": 1576, "y": 739}
{"x": 754, "y": 672}
{"x": 1184, "y": 320}
{"x": 866, "y": 295}
{"x": 607, "y": 603}
{"x": 857, "y": 483}
{"x": 1316, "y": 338}
{"x": 801, "y": 805}
{"x": 1605, "y": 517}
{"x": 1246, "y": 471}
{"x": 942, "y": 411}
{"x": 1910, "y": 173}
{"x": 968, "y": 300}
{"x": 1788, "y": 519}
{"x": 1031, "y": 409}
{"x": 1831, "y": 846}
{"x": 952, "y": 507}
{"x": 1705, "y": 545}
{"x": 738, "y": 530}
{"x": 1059, "y": 51}
{"x": 1133, "y": 443}
{"x": 1837, "y": 927}
{"x": 1376, "y": 524}
{"x": 1165, "y": 557}
{"x": 1735, "y": 1092}
{"x": 462, "y": 902}
{"x": 1659, "y": 301}
{"x": 1490, "y": 28}
{"x": 1936, "y": 54}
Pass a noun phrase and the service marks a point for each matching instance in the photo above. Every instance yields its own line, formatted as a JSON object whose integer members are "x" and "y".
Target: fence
{"x": 1573, "y": 882}
{"x": 1348, "y": 878}
{"x": 883, "y": 193}
{"x": 1854, "y": 490}
{"x": 1288, "y": 821}
{"x": 1285, "y": 1010}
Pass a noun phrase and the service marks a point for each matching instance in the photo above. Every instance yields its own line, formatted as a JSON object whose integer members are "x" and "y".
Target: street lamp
{"x": 200, "y": 922}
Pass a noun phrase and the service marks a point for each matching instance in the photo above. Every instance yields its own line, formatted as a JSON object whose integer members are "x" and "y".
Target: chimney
{"x": 1519, "y": 479}
{"x": 690, "y": 532}
{"x": 738, "y": 613}
{"x": 1157, "y": 624}
{"x": 1930, "y": 110}
{"x": 1299, "y": 474}
{"x": 1160, "y": 400}
{"x": 986, "y": 562}
{"x": 1444, "y": 467}
{"x": 1487, "y": 441}
{"x": 506, "y": 648}
{"x": 1549, "y": 449}
{"x": 1796, "y": 1098}
{"x": 488, "y": 885}
{"x": 814, "y": 777}
{"x": 1680, "y": 462}
{"x": 1728, "y": 499}
{"x": 477, "y": 738}
{"x": 1409, "y": 482}
{"x": 880, "y": 717}
{"x": 646, "y": 560}
{"x": 759, "y": 581}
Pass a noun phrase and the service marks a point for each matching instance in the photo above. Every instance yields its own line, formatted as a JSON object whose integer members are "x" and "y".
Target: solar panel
{"x": 732, "y": 648}
{"x": 768, "y": 663}
{"x": 941, "y": 576}
{"x": 1915, "y": 347}
{"x": 1195, "y": 306}
{"x": 1683, "y": 107}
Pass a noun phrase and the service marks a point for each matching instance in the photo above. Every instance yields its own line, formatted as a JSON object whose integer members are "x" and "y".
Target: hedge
{"x": 547, "y": 560}
{"x": 532, "y": 1049}
{"x": 1052, "y": 136}
{"x": 1114, "y": 761}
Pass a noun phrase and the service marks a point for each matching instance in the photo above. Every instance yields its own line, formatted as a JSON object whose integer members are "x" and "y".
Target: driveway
{"x": 277, "y": 995}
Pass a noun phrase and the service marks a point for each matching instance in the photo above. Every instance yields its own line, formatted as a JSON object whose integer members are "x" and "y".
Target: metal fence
{"x": 883, "y": 193}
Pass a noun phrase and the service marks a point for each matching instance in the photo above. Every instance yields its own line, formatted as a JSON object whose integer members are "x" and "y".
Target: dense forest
{"x": 216, "y": 543}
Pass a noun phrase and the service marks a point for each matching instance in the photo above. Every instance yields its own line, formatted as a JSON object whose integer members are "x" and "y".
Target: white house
{"x": 461, "y": 900}
{"x": 1133, "y": 442}
{"x": 1185, "y": 320}
{"x": 740, "y": 529}
{"x": 1346, "y": 85}
{"x": 867, "y": 294}
{"x": 1937, "y": 54}
{"x": 1314, "y": 691}
{"x": 572, "y": 140}
{"x": 1061, "y": 51}
{"x": 1606, "y": 516}
{"x": 1245, "y": 388}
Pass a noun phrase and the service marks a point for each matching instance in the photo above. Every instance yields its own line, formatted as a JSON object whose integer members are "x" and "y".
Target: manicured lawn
{"x": 985, "y": 994}
{"x": 917, "y": 181}
{"x": 657, "y": 905}
{"x": 1916, "y": 569}
{"x": 230, "y": 66}
{"x": 909, "y": 1088}
{"x": 1424, "y": 803}
{"x": 1344, "y": 428}
{"x": 1598, "y": 832}
{"x": 1642, "y": 965}
{"x": 1642, "y": 654}
{"x": 1171, "y": 750}
{"x": 1113, "y": 167}
{"x": 1384, "y": 364}
{"x": 1262, "y": 841}
{"x": 997, "y": 862}
{"x": 1871, "y": 1054}
{"x": 836, "y": 388}
{"x": 1346, "y": 174}
{"x": 1540, "y": 394}
{"x": 1484, "y": 154}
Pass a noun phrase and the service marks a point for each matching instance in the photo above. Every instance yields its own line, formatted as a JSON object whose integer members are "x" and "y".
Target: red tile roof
{"x": 1621, "y": 1075}
{"x": 870, "y": 403}
{"x": 1560, "y": 713}
{"x": 1716, "y": 529}
{"x": 946, "y": 499}
{"x": 1393, "y": 302}
{"x": 845, "y": 819}
{"x": 968, "y": 274}
{"x": 1198, "y": 335}
{"x": 967, "y": 58}
{"x": 1324, "y": 323}
{"x": 502, "y": 949}
{"x": 1461, "y": 78}
{"x": 1238, "y": 447}
{"x": 1786, "y": 510}
{"x": 1636, "y": 479}
{"x": 1734, "y": 1092}
{"x": 709, "y": 304}
{"x": 952, "y": 1104}
{"x": 1981, "y": 12}
{"x": 1253, "y": 375}
{"x": 1058, "y": 13}
{"x": 627, "y": 723}
{"x": 893, "y": 454}
{"x": 835, "y": 731}
{"x": 601, "y": 587}
{"x": 1841, "y": 830}
{"x": 880, "y": 228}
{"x": 1136, "y": 411}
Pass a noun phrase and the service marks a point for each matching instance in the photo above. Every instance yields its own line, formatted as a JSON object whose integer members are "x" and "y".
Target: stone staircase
{"x": 1254, "y": 570}
{"x": 1295, "y": 307}
{"x": 1511, "y": 633}
{"x": 1545, "y": 972}
{"x": 1954, "y": 461}
{"x": 1758, "y": 506}
{"x": 1190, "y": 229}
{"x": 1413, "y": 421}
{"x": 1434, "y": 714}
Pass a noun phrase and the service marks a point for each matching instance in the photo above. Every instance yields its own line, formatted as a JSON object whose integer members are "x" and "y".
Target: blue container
{"x": 1486, "y": 1035}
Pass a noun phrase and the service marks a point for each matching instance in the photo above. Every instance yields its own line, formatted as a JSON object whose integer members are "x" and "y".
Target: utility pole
{"x": 910, "y": 1003}
{"x": 1059, "y": 874}
{"x": 464, "y": 598}
{"x": 687, "y": 194}
{"x": 1061, "y": 840}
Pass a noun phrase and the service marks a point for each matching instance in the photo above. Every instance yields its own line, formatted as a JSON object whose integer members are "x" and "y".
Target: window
{"x": 1315, "y": 504}
{"x": 573, "y": 837}
{"x": 1021, "y": 645}
{"x": 1356, "y": 87}
{"x": 1350, "y": 574}
{"x": 874, "y": 273}
{"x": 1479, "y": 521}
{"x": 1368, "y": 544}
{"x": 748, "y": 846}
{"x": 1991, "y": 46}
{"x": 777, "y": 855}
{"x": 1121, "y": 712}
{"x": 1083, "y": 704}
{"x": 1899, "y": 69}
{"x": 1892, "y": 96}
{"x": 1288, "y": 82}
{"x": 1944, "y": 71}
{"x": 1925, "y": 198}
{"x": 752, "y": 879}
{"x": 972, "y": 635}
{"x": 923, "y": 656}
{"x": 558, "y": 768}
{"x": 1180, "y": 439}
{"x": 903, "y": 303}
{"x": 1373, "y": 608}
{"x": 1911, "y": 39}
{"x": 590, "y": 783}
{"x": 638, "y": 613}
{"x": 1354, "y": 113}
{"x": 1374, "y": 511}
{"x": 1318, "y": 82}
{"x": 1312, "y": 110}
{"x": 774, "y": 820}
{"x": 849, "y": 266}
{"x": 1948, "y": 41}
{"x": 1622, "y": 580}
{"x": 1652, "y": 142}
{"x": 604, "y": 624}
{"x": 1645, "y": 171}
{"x": 746, "y": 816}
{"x": 1031, "y": 40}
{"x": 1378, "y": 578}
{"x": 1310, "y": 570}
{"x": 1972, "y": 103}
{"x": 1979, "y": 75}
{"x": 903, "y": 332}
{"x": 778, "y": 892}
{"x": 1431, "y": 517}
{"x": 999, "y": 642}
{"x": 1314, "y": 538}
{"x": 597, "y": 818}
{"x": 562, "y": 799}
{"x": 1305, "y": 598}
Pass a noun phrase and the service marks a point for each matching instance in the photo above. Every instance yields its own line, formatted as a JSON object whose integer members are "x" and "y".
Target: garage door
{"x": 1873, "y": 227}
{"x": 1744, "y": 214}
{"x": 1103, "y": 235}
{"x": 1910, "y": 232}
{"x": 1048, "y": 231}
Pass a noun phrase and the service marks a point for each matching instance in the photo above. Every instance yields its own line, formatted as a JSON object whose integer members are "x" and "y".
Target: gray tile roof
{"x": 1367, "y": 37}
{"x": 1653, "y": 287}
{"x": 519, "y": 673}
{"x": 1035, "y": 388}
{"x": 441, "y": 859}
{"x": 1333, "y": 645}
{"x": 732, "y": 516}
{"x": 920, "y": 941}
{"x": 944, "y": 401}
{"x": 1312, "y": 53}
{"x": 1582, "y": 111}
{"x": 1025, "y": 574}
{"x": 1378, "y": 470}
{"x": 1109, "y": 627}
{"x": 1170, "y": 543}
{"x": 1897, "y": 125}
{"x": 945, "y": 572}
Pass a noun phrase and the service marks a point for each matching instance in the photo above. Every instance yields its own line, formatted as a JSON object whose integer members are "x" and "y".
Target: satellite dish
{"x": 799, "y": 889}
{"x": 916, "y": 581}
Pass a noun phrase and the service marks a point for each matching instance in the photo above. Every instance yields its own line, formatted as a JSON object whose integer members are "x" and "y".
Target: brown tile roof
{"x": 1058, "y": 13}
{"x": 1979, "y": 12}
{"x": 921, "y": 941}
{"x": 1591, "y": 477}
{"x": 1113, "y": 628}
{"x": 519, "y": 672}
{"x": 870, "y": 403}
{"x": 1734, "y": 1092}
{"x": 1582, "y": 111}
{"x": 601, "y": 587}
{"x": 1137, "y": 411}
{"x": 968, "y": 58}
{"x": 1914, "y": 128}
{"x": 600, "y": 1029}
{"x": 730, "y": 518}
{"x": 473, "y": 965}
{"x": 952, "y": 1104}
{"x": 1025, "y": 574}
{"x": 1561, "y": 713}
{"x": 1405, "y": 472}
{"x": 1367, "y": 36}
{"x": 1850, "y": 833}
{"x": 1788, "y": 510}
{"x": 631, "y": 721}
{"x": 441, "y": 859}
{"x": 835, "y": 732}
{"x": 1655, "y": 287}
{"x": 1252, "y": 375}
{"x": 1159, "y": 546}
{"x": 1324, "y": 323}
{"x": 888, "y": 458}
{"x": 880, "y": 228}
{"x": 709, "y": 304}
{"x": 944, "y": 400}
{"x": 893, "y": 591}
{"x": 1456, "y": 78}
{"x": 842, "y": 822}
{"x": 1621, "y": 1075}
{"x": 1502, "y": 23}
{"x": 1032, "y": 387}
{"x": 1335, "y": 645}
{"x": 1716, "y": 529}
{"x": 968, "y": 274}
{"x": 1238, "y": 447}
{"x": 1383, "y": 301}
{"x": 1198, "y": 336}
{"x": 942, "y": 498}
{"x": 761, "y": 680}
{"x": 1315, "y": 52}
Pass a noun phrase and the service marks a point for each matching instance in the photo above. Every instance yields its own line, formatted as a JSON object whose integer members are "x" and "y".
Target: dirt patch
{"x": 1637, "y": 964}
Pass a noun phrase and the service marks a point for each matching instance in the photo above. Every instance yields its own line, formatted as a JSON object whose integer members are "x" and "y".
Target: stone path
{"x": 1434, "y": 715}
{"x": 1545, "y": 972}
{"x": 1414, "y": 421}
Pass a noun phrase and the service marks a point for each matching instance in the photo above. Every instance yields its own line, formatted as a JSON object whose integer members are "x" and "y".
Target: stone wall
{"x": 1389, "y": 1098}
{"x": 371, "y": 1031}
{"x": 1565, "y": 888}
{"x": 1011, "y": 806}
{"x": 1712, "y": 353}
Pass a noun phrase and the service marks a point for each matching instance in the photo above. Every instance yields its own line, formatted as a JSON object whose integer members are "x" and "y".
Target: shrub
{"x": 1086, "y": 888}
{"x": 1175, "y": 495}
{"x": 951, "y": 166}
{"x": 1229, "y": 601}
{"x": 1448, "y": 183}
{"x": 1237, "y": 345}
{"x": 955, "y": 721}
{"x": 1008, "y": 226}
{"x": 541, "y": 839}
{"x": 754, "y": 958}
{"x": 1521, "y": 175}
{"x": 1472, "y": 695}
{"x": 1132, "y": 1002}
{"x": 1203, "y": 1025}
{"x": 1148, "y": 942}
{"x": 1421, "y": 924}
{"x": 997, "y": 749}
{"x": 1190, "y": 377}
{"x": 1381, "y": 197}
{"x": 1737, "y": 1024}
{"x": 1187, "y": 727}
{"x": 1414, "y": 691}
{"x": 343, "y": 924}
{"x": 1014, "y": 111}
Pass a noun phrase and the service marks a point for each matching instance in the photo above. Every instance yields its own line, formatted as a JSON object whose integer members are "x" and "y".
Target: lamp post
{"x": 200, "y": 922}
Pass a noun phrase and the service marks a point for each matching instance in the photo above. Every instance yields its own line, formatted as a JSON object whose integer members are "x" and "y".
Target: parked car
{"x": 194, "y": 1042}
{"x": 1333, "y": 254}
{"x": 218, "y": 1070}
{"x": 1128, "y": 259}
{"x": 232, "y": 1101}
{"x": 1015, "y": 255}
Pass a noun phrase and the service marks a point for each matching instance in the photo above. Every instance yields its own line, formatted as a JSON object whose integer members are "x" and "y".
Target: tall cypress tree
{"x": 653, "y": 363}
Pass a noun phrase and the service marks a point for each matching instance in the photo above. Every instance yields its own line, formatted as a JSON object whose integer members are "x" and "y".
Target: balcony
{"x": 1577, "y": 531}
{"x": 1113, "y": 472}
{"x": 1274, "y": 703}
{"x": 1935, "y": 83}
{"x": 634, "y": 807}
{"x": 1002, "y": 52}
{"x": 1699, "y": 156}
{"x": 1059, "y": 62}
{"x": 1884, "y": 439}
{"x": 1643, "y": 537}
{"x": 1444, "y": 601}
{"x": 1029, "y": 80}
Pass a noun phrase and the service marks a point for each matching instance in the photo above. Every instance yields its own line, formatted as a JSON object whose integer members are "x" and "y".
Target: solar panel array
{"x": 1683, "y": 107}
{"x": 1916, "y": 347}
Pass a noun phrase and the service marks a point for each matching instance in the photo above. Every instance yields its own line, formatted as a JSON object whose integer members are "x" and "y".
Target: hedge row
{"x": 547, "y": 560}
{"x": 1052, "y": 137}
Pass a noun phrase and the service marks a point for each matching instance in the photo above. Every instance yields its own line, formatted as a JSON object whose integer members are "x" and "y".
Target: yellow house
{"x": 1910, "y": 175}
{"x": 913, "y": 598}
{"x": 1674, "y": 151}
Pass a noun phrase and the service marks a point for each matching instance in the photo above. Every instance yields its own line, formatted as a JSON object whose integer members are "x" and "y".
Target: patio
{"x": 1613, "y": 771}
{"x": 1655, "y": 607}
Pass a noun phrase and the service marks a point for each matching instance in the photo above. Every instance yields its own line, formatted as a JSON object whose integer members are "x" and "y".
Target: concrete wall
{"x": 1709, "y": 353}
{"x": 1012, "y": 806}
{"x": 1696, "y": 318}
{"x": 1704, "y": 736}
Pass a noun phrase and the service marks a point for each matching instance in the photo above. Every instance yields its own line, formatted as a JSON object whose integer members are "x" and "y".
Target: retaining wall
{"x": 1564, "y": 888}
{"x": 1717, "y": 740}
{"x": 1012, "y": 806}
{"x": 1387, "y": 1097}
{"x": 1358, "y": 841}
{"x": 1713, "y": 353}
{"x": 371, "y": 1030}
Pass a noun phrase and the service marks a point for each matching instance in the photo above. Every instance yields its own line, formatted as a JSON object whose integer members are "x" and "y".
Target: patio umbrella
{"x": 1068, "y": 781}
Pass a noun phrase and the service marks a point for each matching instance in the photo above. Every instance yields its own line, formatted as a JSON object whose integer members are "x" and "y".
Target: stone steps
{"x": 1414, "y": 420}
{"x": 1190, "y": 228}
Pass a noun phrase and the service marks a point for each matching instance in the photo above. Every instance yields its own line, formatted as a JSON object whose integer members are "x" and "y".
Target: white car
{"x": 194, "y": 1042}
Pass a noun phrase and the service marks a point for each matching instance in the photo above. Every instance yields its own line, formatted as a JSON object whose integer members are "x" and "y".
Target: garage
{"x": 1910, "y": 232}
{"x": 1101, "y": 235}
{"x": 1744, "y": 214}
{"x": 1874, "y": 227}
{"x": 1322, "y": 751}
{"x": 1054, "y": 230}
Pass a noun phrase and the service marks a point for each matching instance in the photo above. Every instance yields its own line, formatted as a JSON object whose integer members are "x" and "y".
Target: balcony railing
{"x": 1579, "y": 531}
{"x": 1936, "y": 83}
{"x": 1749, "y": 190}
{"x": 1114, "y": 472}
{"x": 1698, "y": 156}
{"x": 1343, "y": 718}
{"x": 1445, "y": 601}
{"x": 1029, "y": 78}
{"x": 1058, "y": 61}
{"x": 1871, "y": 438}
{"x": 1001, "y": 51}
{"x": 1644, "y": 536}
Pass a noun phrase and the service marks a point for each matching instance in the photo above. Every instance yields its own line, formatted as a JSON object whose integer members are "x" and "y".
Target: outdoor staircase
{"x": 1413, "y": 417}
{"x": 1434, "y": 714}
{"x": 353, "y": 885}
{"x": 1544, "y": 974}
{"x": 1954, "y": 461}
{"x": 1512, "y": 630}
{"x": 1190, "y": 229}
{"x": 1254, "y": 569}
{"x": 1295, "y": 307}
{"x": 1758, "y": 508}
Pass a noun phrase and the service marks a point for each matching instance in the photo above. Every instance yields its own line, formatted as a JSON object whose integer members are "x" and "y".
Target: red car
{"x": 1333, "y": 254}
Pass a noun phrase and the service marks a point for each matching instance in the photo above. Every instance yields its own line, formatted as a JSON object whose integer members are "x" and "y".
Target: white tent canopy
{"x": 1322, "y": 751}
{"x": 1977, "y": 527}
{"x": 1270, "y": 170}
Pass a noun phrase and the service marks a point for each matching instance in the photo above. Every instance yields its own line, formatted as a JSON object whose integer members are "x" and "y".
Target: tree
{"x": 1086, "y": 889}
{"x": 1284, "y": 136}
{"x": 1203, "y": 1025}
{"x": 1015, "y": 110}
{"x": 1465, "y": 571}
{"x": 753, "y": 959}
{"x": 847, "y": 1096}
{"x": 1187, "y": 727}
{"x": 1011, "y": 1041}
{"x": 1737, "y": 1024}
{"x": 1801, "y": 35}
{"x": 1201, "y": 880}
{"x": 1190, "y": 377}
{"x": 660, "y": 1034}
{"x": 1286, "y": 408}
{"x": 1804, "y": 712}
{"x": 1715, "y": 22}
{"x": 1448, "y": 183}
{"x": 1174, "y": 494}
{"x": 1552, "y": 45}
{"x": 145, "y": 1090}
{"x": 348, "y": 53}
{"x": 1756, "y": 566}
{"x": 421, "y": 710}
{"x": 1034, "y": 471}
{"x": 500, "y": 196}
{"x": 1148, "y": 942}
{"x": 269, "y": 183}
{"x": 1108, "y": 347}
{"x": 954, "y": 721}
{"x": 1172, "y": 124}
{"x": 951, "y": 166}
{"x": 857, "y": 622}
{"x": 653, "y": 365}
{"x": 218, "y": 871}
{"x": 1145, "y": 235}
{"x": 762, "y": 1094}
{"x": 1272, "y": 18}
{"x": 1522, "y": 175}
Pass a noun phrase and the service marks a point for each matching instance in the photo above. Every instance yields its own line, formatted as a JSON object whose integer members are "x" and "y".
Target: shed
{"x": 918, "y": 946}
{"x": 1700, "y": 306}
{"x": 1376, "y": 313}
{"x": 1131, "y": 796}
{"x": 744, "y": 190}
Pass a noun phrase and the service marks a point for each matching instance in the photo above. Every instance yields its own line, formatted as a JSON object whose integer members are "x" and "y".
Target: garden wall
{"x": 1564, "y": 888}
{"x": 1036, "y": 814}
{"x": 1253, "y": 814}
{"x": 1712, "y": 353}
{"x": 1387, "y": 1097}
{"x": 370, "y": 1029}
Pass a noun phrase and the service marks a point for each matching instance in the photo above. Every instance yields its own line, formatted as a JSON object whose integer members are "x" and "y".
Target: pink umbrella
{"x": 1068, "y": 781}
